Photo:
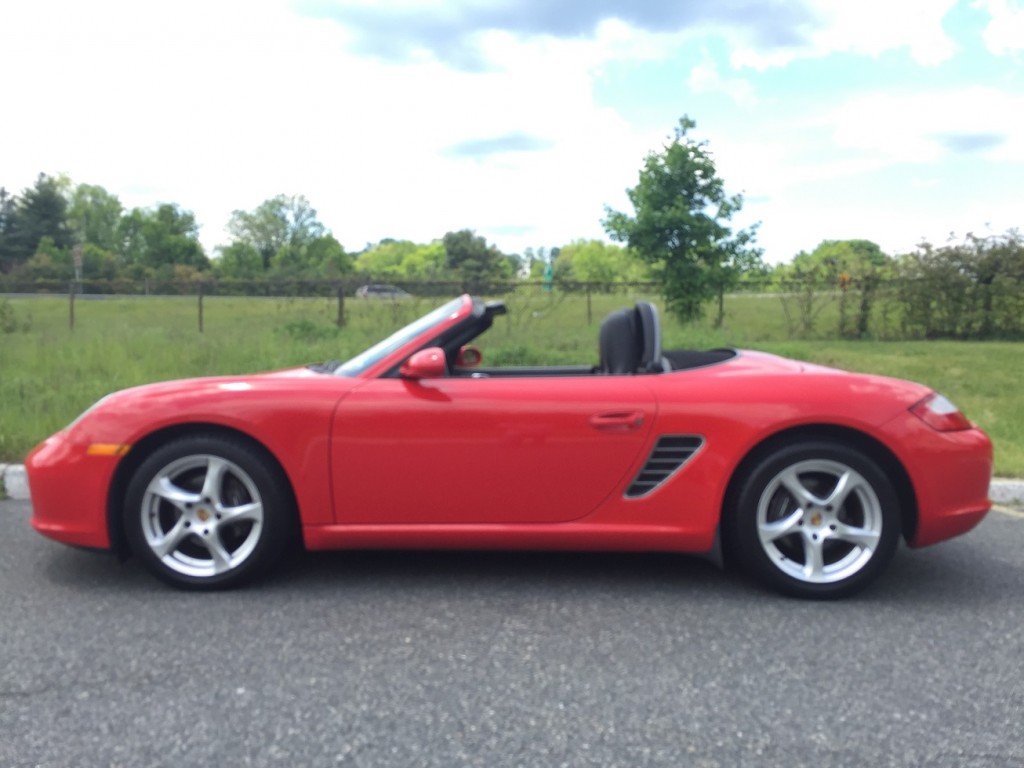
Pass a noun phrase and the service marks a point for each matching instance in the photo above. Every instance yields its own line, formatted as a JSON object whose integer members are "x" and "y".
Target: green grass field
{"x": 49, "y": 373}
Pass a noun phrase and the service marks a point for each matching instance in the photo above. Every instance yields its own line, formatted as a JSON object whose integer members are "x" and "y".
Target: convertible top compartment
{"x": 681, "y": 359}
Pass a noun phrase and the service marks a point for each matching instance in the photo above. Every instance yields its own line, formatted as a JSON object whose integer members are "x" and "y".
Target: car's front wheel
{"x": 207, "y": 512}
{"x": 814, "y": 519}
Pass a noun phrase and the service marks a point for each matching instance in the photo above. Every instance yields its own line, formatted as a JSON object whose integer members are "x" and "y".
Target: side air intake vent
{"x": 669, "y": 454}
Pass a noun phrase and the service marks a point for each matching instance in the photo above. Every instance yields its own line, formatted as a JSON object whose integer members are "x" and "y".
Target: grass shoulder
{"x": 52, "y": 373}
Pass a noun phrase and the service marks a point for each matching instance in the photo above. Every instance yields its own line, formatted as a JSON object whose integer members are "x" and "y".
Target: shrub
{"x": 9, "y": 322}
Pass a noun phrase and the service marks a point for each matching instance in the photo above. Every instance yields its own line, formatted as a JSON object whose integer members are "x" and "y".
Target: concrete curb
{"x": 14, "y": 485}
{"x": 13, "y": 481}
{"x": 1008, "y": 492}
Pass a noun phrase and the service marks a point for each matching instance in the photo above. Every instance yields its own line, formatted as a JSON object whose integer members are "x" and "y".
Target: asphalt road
{"x": 439, "y": 659}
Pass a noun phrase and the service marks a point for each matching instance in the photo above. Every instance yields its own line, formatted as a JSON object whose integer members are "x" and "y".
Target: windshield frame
{"x": 385, "y": 354}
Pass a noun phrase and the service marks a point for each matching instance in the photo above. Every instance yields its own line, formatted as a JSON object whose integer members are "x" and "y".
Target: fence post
{"x": 71, "y": 305}
{"x": 590, "y": 314}
{"x": 341, "y": 306}
{"x": 200, "y": 307}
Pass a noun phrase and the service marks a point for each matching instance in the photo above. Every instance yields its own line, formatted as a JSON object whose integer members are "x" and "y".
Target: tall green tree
{"x": 594, "y": 261}
{"x": 680, "y": 224}
{"x": 240, "y": 261}
{"x": 40, "y": 212}
{"x": 385, "y": 260}
{"x": 154, "y": 241}
{"x": 321, "y": 257}
{"x": 94, "y": 216}
{"x": 403, "y": 260}
{"x": 426, "y": 262}
{"x": 469, "y": 258}
{"x": 837, "y": 260}
{"x": 48, "y": 262}
{"x": 282, "y": 222}
{"x": 849, "y": 271}
{"x": 7, "y": 202}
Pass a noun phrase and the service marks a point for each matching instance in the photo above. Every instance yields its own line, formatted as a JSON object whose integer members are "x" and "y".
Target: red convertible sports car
{"x": 804, "y": 476}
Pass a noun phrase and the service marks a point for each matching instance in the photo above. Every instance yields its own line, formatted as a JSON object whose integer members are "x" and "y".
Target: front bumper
{"x": 69, "y": 486}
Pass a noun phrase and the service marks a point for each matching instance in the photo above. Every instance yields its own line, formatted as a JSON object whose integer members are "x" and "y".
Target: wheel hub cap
{"x": 819, "y": 521}
{"x": 202, "y": 516}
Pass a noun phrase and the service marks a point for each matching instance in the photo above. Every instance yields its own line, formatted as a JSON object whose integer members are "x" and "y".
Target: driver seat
{"x": 630, "y": 341}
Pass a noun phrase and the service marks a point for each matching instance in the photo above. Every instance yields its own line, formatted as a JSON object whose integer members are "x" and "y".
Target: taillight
{"x": 938, "y": 413}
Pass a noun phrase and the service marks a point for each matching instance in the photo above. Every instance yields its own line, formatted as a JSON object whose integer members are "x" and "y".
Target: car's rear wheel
{"x": 814, "y": 519}
{"x": 207, "y": 512}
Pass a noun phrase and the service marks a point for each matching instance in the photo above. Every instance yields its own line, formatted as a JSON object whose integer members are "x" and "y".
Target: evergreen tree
{"x": 40, "y": 212}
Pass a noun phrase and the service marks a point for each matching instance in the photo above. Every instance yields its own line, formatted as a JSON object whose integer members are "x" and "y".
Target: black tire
{"x": 208, "y": 512}
{"x": 813, "y": 519}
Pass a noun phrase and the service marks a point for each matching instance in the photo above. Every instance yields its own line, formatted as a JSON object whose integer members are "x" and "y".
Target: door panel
{"x": 487, "y": 450}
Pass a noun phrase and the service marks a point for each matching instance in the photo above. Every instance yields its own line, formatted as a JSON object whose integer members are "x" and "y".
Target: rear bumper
{"x": 951, "y": 473}
{"x": 954, "y": 523}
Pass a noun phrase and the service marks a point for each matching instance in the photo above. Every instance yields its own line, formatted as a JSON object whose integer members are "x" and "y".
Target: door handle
{"x": 617, "y": 421}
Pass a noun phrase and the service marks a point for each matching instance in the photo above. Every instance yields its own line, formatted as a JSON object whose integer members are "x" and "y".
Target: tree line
{"x": 58, "y": 230}
{"x": 679, "y": 236}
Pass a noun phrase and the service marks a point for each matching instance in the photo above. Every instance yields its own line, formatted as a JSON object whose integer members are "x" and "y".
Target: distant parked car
{"x": 381, "y": 291}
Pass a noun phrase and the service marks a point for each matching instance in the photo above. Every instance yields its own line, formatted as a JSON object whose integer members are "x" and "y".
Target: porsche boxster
{"x": 805, "y": 477}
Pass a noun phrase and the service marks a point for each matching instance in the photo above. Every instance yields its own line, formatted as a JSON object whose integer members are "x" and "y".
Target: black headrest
{"x": 650, "y": 327}
{"x": 631, "y": 341}
{"x": 621, "y": 343}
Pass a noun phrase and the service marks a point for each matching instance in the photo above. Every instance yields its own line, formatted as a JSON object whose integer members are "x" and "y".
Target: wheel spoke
{"x": 220, "y": 556}
{"x": 779, "y": 528}
{"x": 215, "y": 470}
{"x": 171, "y": 540}
{"x": 165, "y": 489}
{"x": 790, "y": 480}
{"x": 814, "y": 560}
{"x": 252, "y": 512}
{"x": 847, "y": 483}
{"x": 862, "y": 537}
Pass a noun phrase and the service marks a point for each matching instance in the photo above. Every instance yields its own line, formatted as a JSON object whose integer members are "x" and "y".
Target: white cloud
{"x": 918, "y": 127}
{"x": 1004, "y": 33}
{"x": 705, "y": 78}
{"x": 221, "y": 106}
{"x": 894, "y": 168}
{"x": 865, "y": 28}
{"x": 218, "y": 106}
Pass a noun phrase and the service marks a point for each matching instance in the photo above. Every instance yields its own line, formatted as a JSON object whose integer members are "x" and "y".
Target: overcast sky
{"x": 522, "y": 119}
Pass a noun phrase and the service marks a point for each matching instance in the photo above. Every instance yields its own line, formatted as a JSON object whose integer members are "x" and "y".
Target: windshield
{"x": 382, "y": 349}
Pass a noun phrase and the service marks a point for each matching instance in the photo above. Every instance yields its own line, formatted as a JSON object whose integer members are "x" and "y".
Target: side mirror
{"x": 426, "y": 364}
{"x": 469, "y": 357}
